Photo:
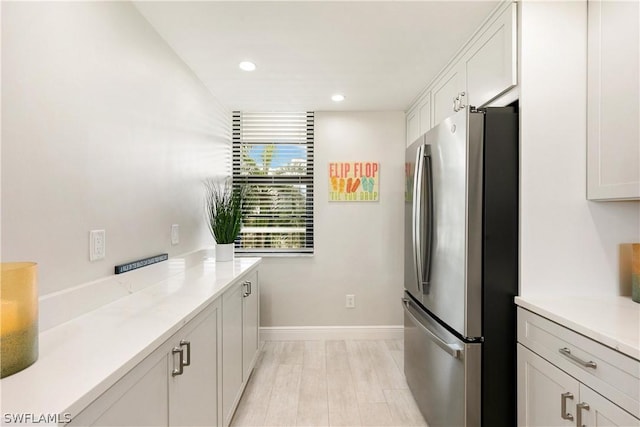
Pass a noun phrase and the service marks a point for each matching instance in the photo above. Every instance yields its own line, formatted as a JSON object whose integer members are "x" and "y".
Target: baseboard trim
{"x": 310, "y": 333}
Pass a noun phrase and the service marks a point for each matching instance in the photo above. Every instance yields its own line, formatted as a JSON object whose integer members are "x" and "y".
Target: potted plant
{"x": 224, "y": 210}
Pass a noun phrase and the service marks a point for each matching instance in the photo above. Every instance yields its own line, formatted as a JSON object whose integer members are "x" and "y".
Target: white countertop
{"x": 611, "y": 320}
{"x": 81, "y": 358}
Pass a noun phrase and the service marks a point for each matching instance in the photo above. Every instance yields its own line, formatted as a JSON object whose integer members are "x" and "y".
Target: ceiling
{"x": 379, "y": 54}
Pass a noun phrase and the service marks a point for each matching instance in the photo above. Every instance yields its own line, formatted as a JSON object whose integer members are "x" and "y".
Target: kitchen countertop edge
{"x": 610, "y": 320}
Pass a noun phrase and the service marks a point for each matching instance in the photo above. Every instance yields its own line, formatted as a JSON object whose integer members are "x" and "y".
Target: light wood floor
{"x": 328, "y": 383}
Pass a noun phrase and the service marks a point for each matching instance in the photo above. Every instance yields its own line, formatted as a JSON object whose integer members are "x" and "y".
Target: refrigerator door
{"x": 412, "y": 166}
{"x": 442, "y": 372}
{"x": 454, "y": 293}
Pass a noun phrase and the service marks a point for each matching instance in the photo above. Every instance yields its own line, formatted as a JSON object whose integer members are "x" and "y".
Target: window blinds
{"x": 273, "y": 158}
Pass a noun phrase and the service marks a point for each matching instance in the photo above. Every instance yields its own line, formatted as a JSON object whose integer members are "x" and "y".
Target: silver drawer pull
{"x": 579, "y": 408}
{"x": 563, "y": 407}
{"x": 567, "y": 352}
{"x": 180, "y": 369}
{"x": 247, "y": 288}
{"x": 188, "y": 345}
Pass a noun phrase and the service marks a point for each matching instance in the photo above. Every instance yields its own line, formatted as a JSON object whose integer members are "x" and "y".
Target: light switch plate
{"x": 175, "y": 234}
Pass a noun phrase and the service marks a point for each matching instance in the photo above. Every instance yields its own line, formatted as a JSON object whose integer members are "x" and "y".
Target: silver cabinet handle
{"x": 563, "y": 409}
{"x": 180, "y": 369}
{"x": 461, "y": 103}
{"x": 453, "y": 350}
{"x": 188, "y": 345}
{"x": 247, "y": 287}
{"x": 579, "y": 408}
{"x": 567, "y": 353}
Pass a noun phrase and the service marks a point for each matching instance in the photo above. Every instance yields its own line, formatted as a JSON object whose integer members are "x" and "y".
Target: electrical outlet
{"x": 350, "y": 301}
{"x": 175, "y": 234}
{"x": 97, "y": 245}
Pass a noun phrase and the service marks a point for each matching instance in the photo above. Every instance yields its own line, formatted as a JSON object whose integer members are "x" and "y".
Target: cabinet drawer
{"x": 613, "y": 374}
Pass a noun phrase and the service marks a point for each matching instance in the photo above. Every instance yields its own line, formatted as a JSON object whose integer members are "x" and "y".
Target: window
{"x": 273, "y": 157}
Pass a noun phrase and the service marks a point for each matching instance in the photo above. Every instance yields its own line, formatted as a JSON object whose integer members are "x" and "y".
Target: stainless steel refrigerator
{"x": 461, "y": 269}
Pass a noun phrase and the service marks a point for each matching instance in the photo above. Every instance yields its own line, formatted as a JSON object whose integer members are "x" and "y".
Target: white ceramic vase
{"x": 224, "y": 252}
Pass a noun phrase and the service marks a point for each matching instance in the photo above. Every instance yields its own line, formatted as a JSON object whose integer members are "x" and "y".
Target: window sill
{"x": 273, "y": 255}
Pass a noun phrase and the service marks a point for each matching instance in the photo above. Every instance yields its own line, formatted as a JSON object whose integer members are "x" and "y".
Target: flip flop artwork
{"x": 354, "y": 181}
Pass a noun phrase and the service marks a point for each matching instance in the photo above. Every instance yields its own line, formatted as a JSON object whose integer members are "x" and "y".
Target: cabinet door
{"x": 491, "y": 64}
{"x": 138, "y": 399}
{"x": 445, "y": 91}
{"x": 193, "y": 396}
{"x": 613, "y": 100}
{"x": 602, "y": 412}
{"x": 540, "y": 392}
{"x": 413, "y": 126}
{"x": 424, "y": 112}
{"x": 250, "y": 332}
{"x": 231, "y": 350}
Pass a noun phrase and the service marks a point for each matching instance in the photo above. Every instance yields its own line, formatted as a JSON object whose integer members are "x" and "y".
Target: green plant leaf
{"x": 224, "y": 209}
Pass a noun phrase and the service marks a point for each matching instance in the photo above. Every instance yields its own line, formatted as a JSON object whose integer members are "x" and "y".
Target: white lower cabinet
{"x": 250, "y": 326}
{"x": 196, "y": 377}
{"x": 176, "y": 385}
{"x": 138, "y": 399}
{"x": 193, "y": 394}
{"x": 550, "y": 397}
{"x": 542, "y": 390}
{"x": 563, "y": 378}
{"x": 597, "y": 411}
{"x": 231, "y": 350}
{"x": 240, "y": 316}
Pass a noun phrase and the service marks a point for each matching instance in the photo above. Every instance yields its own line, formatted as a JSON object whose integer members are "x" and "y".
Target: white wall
{"x": 358, "y": 246}
{"x": 103, "y": 127}
{"x": 568, "y": 244}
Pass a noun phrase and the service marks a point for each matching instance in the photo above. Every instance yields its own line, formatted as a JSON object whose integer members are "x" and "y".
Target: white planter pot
{"x": 224, "y": 252}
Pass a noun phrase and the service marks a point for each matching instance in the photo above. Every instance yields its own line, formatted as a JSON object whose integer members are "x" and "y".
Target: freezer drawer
{"x": 442, "y": 371}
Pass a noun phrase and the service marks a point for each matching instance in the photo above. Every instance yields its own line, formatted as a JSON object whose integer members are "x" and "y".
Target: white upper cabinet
{"x": 483, "y": 70}
{"x": 491, "y": 65}
{"x": 613, "y": 101}
{"x": 419, "y": 119}
{"x": 424, "y": 112}
{"x": 413, "y": 126}
{"x": 445, "y": 92}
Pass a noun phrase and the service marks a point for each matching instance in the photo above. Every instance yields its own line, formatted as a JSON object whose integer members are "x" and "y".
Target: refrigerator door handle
{"x": 429, "y": 211}
{"x": 423, "y": 211}
{"x": 451, "y": 349}
{"x": 417, "y": 216}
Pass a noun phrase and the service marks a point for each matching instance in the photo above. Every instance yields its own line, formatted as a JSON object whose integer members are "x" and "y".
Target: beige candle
{"x": 10, "y": 322}
{"x": 18, "y": 317}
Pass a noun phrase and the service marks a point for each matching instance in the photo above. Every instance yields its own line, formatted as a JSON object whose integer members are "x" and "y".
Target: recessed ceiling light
{"x": 337, "y": 97}
{"x": 247, "y": 66}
